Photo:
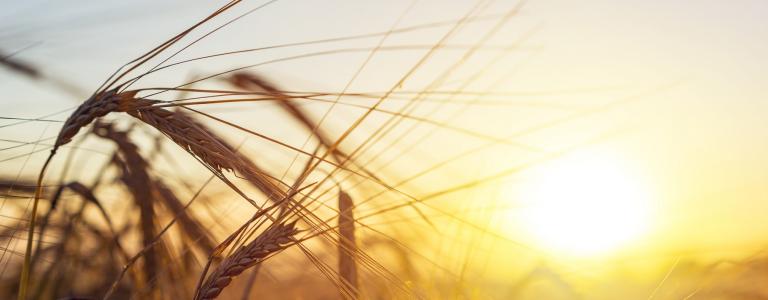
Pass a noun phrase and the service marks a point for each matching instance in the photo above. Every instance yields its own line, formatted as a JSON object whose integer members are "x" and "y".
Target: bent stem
{"x": 25, "y": 270}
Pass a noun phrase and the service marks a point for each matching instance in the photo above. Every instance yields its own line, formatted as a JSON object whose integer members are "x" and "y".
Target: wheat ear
{"x": 347, "y": 247}
{"x": 270, "y": 241}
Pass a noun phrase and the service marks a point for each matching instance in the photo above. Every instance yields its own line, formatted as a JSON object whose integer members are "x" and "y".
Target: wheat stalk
{"x": 187, "y": 134}
{"x": 270, "y": 241}
{"x": 107, "y": 99}
{"x": 254, "y": 82}
{"x": 134, "y": 174}
{"x": 180, "y": 127}
{"x": 98, "y": 105}
{"x": 190, "y": 225}
{"x": 271, "y": 187}
{"x": 347, "y": 247}
{"x": 18, "y": 66}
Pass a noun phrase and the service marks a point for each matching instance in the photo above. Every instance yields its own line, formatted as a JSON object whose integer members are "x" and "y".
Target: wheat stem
{"x": 25, "y": 269}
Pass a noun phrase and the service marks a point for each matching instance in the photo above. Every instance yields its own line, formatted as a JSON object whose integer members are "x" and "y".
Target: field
{"x": 478, "y": 149}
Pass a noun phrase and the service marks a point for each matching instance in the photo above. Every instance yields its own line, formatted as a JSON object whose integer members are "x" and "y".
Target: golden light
{"x": 584, "y": 204}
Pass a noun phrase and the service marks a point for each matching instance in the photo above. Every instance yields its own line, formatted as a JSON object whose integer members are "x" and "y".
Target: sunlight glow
{"x": 585, "y": 204}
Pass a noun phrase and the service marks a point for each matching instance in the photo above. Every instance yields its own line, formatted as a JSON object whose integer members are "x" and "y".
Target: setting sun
{"x": 585, "y": 204}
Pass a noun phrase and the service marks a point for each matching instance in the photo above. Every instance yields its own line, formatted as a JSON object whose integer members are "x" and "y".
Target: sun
{"x": 585, "y": 203}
